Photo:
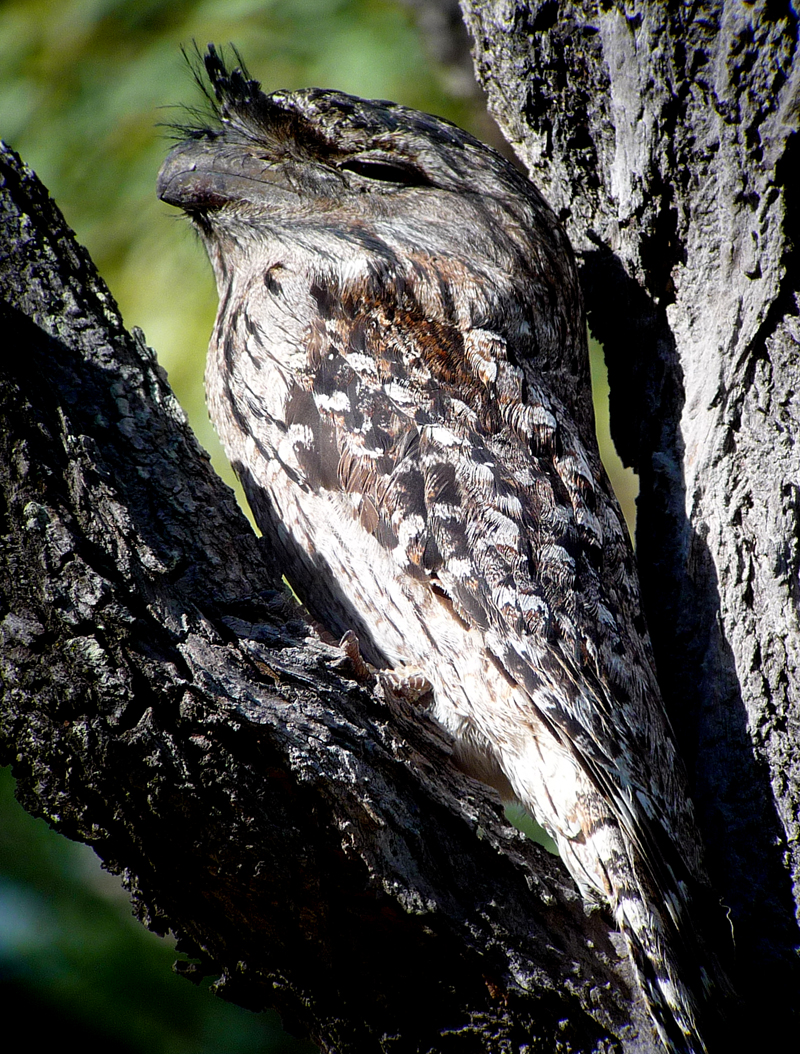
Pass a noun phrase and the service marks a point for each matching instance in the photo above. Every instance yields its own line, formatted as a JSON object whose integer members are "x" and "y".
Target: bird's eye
{"x": 385, "y": 172}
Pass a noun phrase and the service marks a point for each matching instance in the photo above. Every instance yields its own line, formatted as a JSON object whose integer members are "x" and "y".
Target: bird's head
{"x": 374, "y": 201}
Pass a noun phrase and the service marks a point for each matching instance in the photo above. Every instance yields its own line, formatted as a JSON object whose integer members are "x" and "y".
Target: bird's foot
{"x": 406, "y": 683}
{"x": 352, "y": 651}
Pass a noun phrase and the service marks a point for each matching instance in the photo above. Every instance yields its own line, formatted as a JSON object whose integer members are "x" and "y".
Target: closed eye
{"x": 385, "y": 172}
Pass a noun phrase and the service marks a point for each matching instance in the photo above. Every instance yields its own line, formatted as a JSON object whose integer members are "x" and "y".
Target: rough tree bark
{"x": 309, "y": 840}
{"x": 665, "y": 135}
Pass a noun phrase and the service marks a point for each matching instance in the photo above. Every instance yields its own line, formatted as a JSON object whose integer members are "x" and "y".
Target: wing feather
{"x": 502, "y": 510}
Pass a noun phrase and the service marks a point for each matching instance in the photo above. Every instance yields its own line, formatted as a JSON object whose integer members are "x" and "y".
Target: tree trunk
{"x": 665, "y": 135}
{"x": 307, "y": 837}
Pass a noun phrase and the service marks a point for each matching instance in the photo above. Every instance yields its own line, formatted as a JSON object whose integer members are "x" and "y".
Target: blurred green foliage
{"x": 88, "y": 90}
{"x": 76, "y": 965}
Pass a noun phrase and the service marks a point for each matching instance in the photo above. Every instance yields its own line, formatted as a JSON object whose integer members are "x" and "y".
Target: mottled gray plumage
{"x": 399, "y": 375}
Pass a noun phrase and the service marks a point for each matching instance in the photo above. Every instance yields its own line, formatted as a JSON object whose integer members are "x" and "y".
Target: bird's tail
{"x": 683, "y": 984}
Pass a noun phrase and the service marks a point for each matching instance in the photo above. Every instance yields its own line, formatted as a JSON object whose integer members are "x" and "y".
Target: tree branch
{"x": 308, "y": 840}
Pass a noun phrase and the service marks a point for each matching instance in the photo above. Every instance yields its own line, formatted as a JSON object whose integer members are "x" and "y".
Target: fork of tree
{"x": 308, "y": 839}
